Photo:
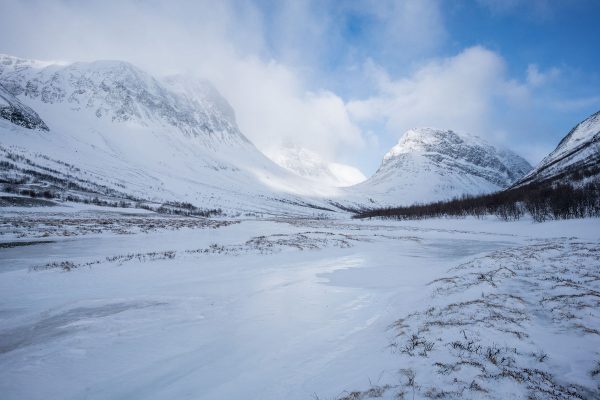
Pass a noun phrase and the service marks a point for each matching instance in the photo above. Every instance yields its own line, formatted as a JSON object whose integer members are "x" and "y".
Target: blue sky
{"x": 347, "y": 78}
{"x": 552, "y": 48}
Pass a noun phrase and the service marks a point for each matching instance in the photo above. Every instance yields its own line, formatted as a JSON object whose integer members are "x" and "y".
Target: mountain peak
{"x": 430, "y": 164}
{"x": 429, "y": 139}
{"x": 10, "y": 63}
{"x": 121, "y": 92}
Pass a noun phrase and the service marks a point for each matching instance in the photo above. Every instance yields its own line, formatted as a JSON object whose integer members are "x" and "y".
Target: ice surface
{"x": 258, "y": 309}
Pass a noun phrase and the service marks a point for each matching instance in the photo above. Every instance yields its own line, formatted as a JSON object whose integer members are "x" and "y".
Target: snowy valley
{"x": 149, "y": 250}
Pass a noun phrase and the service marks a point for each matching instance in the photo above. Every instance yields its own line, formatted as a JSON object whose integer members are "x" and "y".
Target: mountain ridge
{"x": 431, "y": 164}
{"x": 578, "y": 152}
{"x": 121, "y": 92}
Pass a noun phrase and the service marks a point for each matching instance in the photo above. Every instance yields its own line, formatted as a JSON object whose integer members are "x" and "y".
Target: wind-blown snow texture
{"x": 431, "y": 164}
{"x": 104, "y": 304}
{"x": 579, "y": 150}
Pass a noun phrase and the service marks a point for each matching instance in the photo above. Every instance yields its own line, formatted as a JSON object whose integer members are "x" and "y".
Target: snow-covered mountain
{"x": 431, "y": 164}
{"x": 576, "y": 158}
{"x": 115, "y": 126}
{"x": 309, "y": 164}
{"x": 121, "y": 92}
{"x": 115, "y": 130}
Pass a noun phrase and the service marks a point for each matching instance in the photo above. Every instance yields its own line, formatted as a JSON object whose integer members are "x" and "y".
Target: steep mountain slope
{"x": 576, "y": 158}
{"x": 113, "y": 125}
{"x": 11, "y": 109}
{"x": 431, "y": 164}
{"x": 311, "y": 166}
{"x": 120, "y": 92}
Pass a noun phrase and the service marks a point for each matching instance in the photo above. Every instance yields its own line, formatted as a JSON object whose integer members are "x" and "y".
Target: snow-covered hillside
{"x": 170, "y": 139}
{"x": 431, "y": 164}
{"x": 310, "y": 165}
{"x": 576, "y": 157}
{"x": 122, "y": 305}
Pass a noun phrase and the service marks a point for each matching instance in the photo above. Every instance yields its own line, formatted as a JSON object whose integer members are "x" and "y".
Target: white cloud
{"x": 410, "y": 26}
{"x": 280, "y": 64}
{"x": 471, "y": 92}
{"x": 535, "y": 77}
{"x": 274, "y": 109}
{"x": 224, "y": 41}
{"x": 459, "y": 92}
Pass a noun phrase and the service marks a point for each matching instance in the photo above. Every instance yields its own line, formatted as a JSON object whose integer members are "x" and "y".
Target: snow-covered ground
{"x": 151, "y": 307}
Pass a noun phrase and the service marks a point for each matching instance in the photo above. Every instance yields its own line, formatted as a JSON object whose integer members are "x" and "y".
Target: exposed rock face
{"x": 18, "y": 113}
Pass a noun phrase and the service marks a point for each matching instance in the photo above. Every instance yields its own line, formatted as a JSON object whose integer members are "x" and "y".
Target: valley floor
{"x": 104, "y": 305}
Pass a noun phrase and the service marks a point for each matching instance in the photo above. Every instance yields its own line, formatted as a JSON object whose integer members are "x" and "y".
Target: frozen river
{"x": 302, "y": 311}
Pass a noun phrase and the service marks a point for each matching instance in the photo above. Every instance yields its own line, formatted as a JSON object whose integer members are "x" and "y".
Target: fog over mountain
{"x": 305, "y": 74}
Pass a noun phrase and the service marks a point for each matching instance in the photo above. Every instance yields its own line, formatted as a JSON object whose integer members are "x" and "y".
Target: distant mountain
{"x": 575, "y": 159}
{"x": 310, "y": 165}
{"x": 431, "y": 164}
{"x": 114, "y": 128}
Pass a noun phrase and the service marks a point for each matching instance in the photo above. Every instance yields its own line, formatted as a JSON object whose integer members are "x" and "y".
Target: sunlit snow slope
{"x": 576, "y": 158}
{"x": 310, "y": 165}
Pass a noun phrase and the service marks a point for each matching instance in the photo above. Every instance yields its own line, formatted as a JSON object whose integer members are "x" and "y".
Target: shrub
{"x": 541, "y": 201}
